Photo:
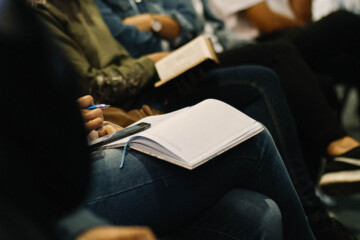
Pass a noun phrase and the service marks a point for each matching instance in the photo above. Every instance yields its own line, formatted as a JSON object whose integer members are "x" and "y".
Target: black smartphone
{"x": 118, "y": 135}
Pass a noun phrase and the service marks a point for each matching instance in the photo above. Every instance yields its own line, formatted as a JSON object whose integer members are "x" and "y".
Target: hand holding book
{"x": 192, "y": 54}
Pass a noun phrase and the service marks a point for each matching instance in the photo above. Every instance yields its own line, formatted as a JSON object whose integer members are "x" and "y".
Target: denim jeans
{"x": 244, "y": 214}
{"x": 148, "y": 191}
{"x": 257, "y": 92}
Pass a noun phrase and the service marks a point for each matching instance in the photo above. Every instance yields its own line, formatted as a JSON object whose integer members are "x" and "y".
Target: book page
{"x": 203, "y": 129}
{"x": 193, "y": 135}
{"x": 183, "y": 59}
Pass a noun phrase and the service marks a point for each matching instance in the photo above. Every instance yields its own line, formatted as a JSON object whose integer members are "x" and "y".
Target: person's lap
{"x": 152, "y": 192}
{"x": 256, "y": 91}
{"x": 148, "y": 191}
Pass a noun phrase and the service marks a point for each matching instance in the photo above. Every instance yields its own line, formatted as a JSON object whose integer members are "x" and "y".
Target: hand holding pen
{"x": 102, "y": 106}
{"x": 93, "y": 117}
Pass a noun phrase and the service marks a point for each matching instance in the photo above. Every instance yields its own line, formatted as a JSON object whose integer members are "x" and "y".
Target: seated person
{"x": 321, "y": 135}
{"x": 328, "y": 46}
{"x": 321, "y": 43}
{"x": 184, "y": 204}
{"x": 45, "y": 175}
{"x": 282, "y": 54}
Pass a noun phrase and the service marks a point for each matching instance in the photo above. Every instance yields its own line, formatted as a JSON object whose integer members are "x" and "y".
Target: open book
{"x": 193, "y": 135}
{"x": 184, "y": 58}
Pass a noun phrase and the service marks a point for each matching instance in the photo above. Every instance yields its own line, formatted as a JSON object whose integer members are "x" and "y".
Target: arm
{"x": 143, "y": 22}
{"x": 181, "y": 12}
{"x": 262, "y": 17}
{"x": 136, "y": 42}
{"x": 171, "y": 13}
{"x": 114, "y": 83}
{"x": 185, "y": 15}
{"x": 302, "y": 10}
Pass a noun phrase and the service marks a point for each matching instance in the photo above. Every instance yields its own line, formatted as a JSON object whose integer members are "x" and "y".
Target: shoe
{"x": 346, "y": 161}
{"x": 342, "y": 174}
{"x": 331, "y": 229}
{"x": 340, "y": 183}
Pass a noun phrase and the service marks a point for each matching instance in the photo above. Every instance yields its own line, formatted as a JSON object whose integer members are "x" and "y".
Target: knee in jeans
{"x": 271, "y": 221}
{"x": 266, "y": 72}
{"x": 265, "y": 78}
{"x": 263, "y": 217}
{"x": 268, "y": 221}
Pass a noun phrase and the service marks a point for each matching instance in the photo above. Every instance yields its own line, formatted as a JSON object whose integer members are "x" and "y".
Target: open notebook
{"x": 193, "y": 135}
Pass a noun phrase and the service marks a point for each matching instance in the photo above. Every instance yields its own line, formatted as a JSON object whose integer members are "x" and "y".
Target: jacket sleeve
{"x": 114, "y": 83}
{"x": 136, "y": 42}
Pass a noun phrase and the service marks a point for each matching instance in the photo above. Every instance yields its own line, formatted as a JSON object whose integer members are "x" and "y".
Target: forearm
{"x": 186, "y": 17}
{"x": 262, "y": 17}
{"x": 136, "y": 42}
{"x": 170, "y": 27}
{"x": 178, "y": 21}
{"x": 143, "y": 22}
{"x": 302, "y": 10}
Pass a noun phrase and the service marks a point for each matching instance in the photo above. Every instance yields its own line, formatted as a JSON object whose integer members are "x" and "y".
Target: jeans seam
{"x": 273, "y": 118}
{"x": 271, "y": 110}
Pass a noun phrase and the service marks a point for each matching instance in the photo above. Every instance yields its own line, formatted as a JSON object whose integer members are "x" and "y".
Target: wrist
{"x": 156, "y": 25}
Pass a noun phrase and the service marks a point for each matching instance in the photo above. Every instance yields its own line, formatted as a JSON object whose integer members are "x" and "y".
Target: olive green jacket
{"x": 105, "y": 68}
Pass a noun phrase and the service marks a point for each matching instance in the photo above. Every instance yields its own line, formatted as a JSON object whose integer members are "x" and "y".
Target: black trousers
{"x": 330, "y": 46}
{"x": 316, "y": 121}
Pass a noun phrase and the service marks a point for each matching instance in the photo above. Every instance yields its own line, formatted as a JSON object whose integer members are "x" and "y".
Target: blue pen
{"x": 102, "y": 106}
